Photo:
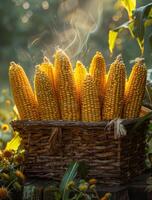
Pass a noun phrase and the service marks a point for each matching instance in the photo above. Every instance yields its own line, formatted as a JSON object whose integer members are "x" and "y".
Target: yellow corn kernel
{"x": 45, "y": 92}
{"x": 90, "y": 101}
{"x": 114, "y": 92}
{"x": 79, "y": 76}
{"x": 135, "y": 89}
{"x": 23, "y": 94}
{"x": 47, "y": 67}
{"x": 66, "y": 88}
{"x": 98, "y": 71}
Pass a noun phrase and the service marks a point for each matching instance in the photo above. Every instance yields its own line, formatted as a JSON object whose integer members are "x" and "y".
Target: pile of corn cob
{"x": 61, "y": 93}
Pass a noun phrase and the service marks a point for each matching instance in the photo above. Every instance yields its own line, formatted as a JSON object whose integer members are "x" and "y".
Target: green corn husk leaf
{"x": 69, "y": 176}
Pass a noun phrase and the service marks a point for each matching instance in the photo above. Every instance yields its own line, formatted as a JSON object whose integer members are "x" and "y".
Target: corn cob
{"x": 66, "y": 89}
{"x": 47, "y": 67}
{"x": 79, "y": 76}
{"x": 45, "y": 92}
{"x": 90, "y": 101}
{"x": 24, "y": 97}
{"x": 114, "y": 93}
{"x": 98, "y": 71}
{"x": 135, "y": 90}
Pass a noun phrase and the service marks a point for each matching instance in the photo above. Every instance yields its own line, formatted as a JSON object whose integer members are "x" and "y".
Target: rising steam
{"x": 79, "y": 22}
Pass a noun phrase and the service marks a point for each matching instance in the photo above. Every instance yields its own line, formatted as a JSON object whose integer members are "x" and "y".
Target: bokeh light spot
{"x": 45, "y": 5}
{"x": 26, "y": 5}
{"x": 25, "y": 19}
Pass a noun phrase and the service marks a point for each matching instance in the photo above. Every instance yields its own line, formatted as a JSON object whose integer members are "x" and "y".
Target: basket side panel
{"x": 133, "y": 153}
{"x": 40, "y": 160}
{"x": 97, "y": 149}
{"x": 111, "y": 161}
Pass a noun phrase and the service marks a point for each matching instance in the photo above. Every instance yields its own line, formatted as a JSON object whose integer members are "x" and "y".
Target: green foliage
{"x": 148, "y": 95}
{"x": 69, "y": 176}
{"x": 7, "y": 114}
{"x": 113, "y": 34}
{"x": 25, "y": 32}
{"x": 74, "y": 188}
{"x": 129, "y": 5}
{"x": 139, "y": 19}
{"x": 112, "y": 39}
{"x": 11, "y": 176}
{"x": 14, "y": 143}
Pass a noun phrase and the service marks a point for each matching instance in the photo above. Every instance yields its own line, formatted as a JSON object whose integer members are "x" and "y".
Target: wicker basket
{"x": 51, "y": 145}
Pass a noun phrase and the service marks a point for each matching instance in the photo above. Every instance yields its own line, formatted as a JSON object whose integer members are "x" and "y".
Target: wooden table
{"x": 42, "y": 190}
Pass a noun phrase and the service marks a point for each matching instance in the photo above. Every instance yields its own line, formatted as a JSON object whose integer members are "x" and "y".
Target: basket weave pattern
{"x": 112, "y": 161}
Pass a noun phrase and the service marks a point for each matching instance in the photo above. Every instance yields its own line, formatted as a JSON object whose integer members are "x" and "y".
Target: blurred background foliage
{"x": 8, "y": 138}
{"x": 30, "y": 29}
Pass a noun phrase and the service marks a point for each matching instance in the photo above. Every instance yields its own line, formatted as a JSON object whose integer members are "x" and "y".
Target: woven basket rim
{"x": 63, "y": 123}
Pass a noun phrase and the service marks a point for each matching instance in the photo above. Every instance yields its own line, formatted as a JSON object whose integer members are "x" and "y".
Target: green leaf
{"x": 141, "y": 45}
{"x": 147, "y": 9}
{"x": 79, "y": 196}
{"x": 14, "y": 143}
{"x": 131, "y": 28}
{"x": 150, "y": 128}
{"x": 129, "y": 5}
{"x": 112, "y": 39}
{"x": 148, "y": 22}
{"x": 150, "y": 40}
{"x": 139, "y": 16}
{"x": 114, "y": 33}
{"x": 57, "y": 195}
{"x": 69, "y": 176}
{"x": 148, "y": 94}
{"x": 150, "y": 13}
{"x": 139, "y": 28}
